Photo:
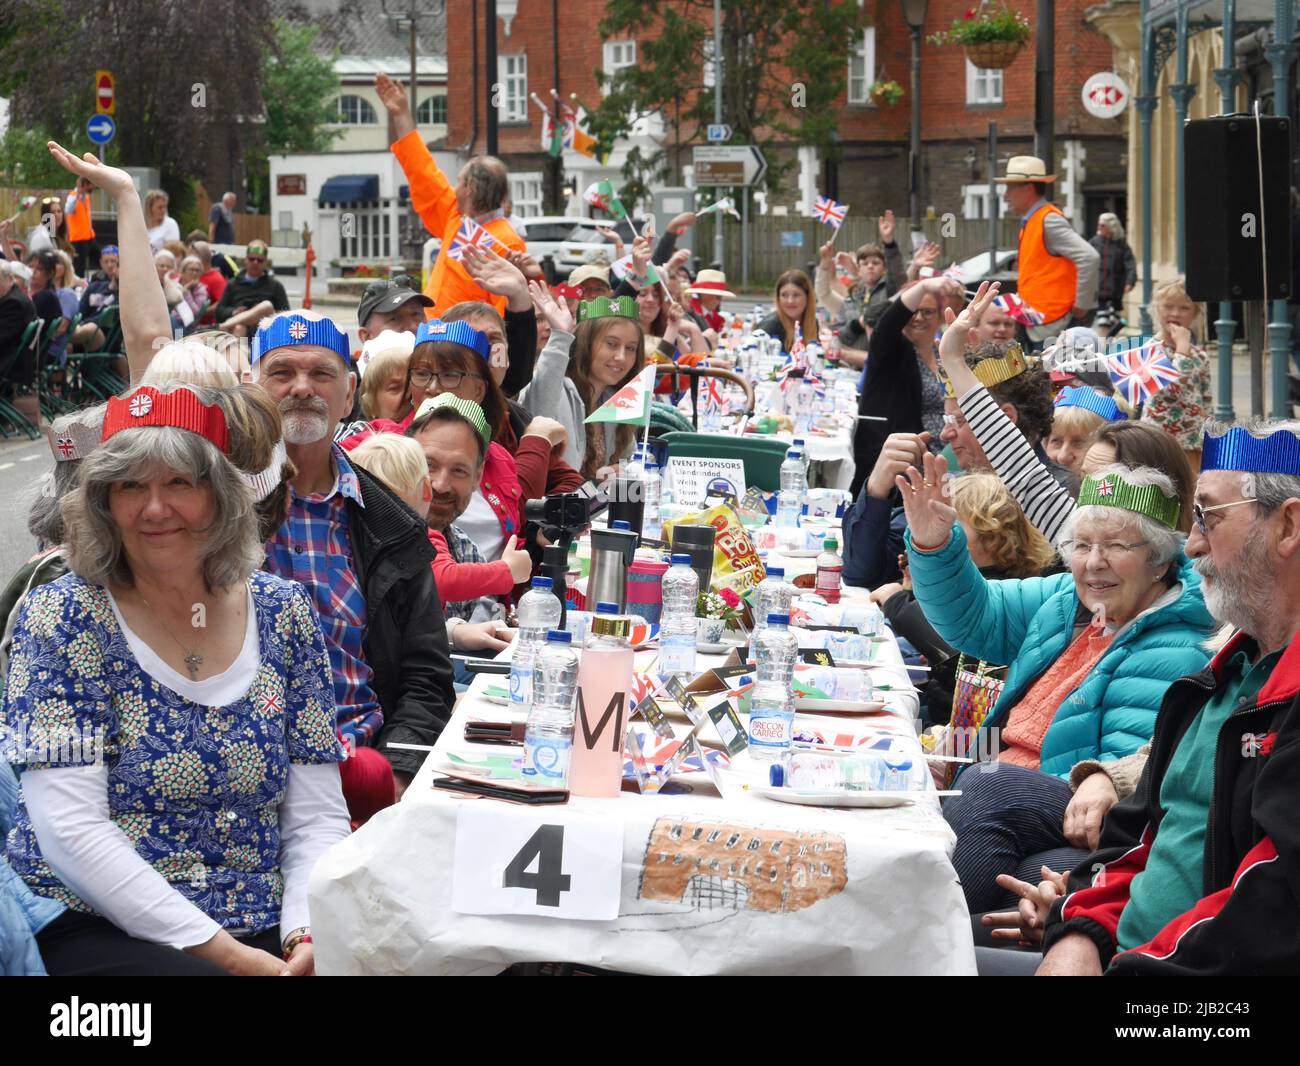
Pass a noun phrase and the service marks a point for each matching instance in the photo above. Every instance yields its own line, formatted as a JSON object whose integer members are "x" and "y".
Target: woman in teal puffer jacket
{"x": 1090, "y": 652}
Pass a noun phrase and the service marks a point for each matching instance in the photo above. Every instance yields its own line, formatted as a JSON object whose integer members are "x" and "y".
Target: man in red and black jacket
{"x": 1197, "y": 871}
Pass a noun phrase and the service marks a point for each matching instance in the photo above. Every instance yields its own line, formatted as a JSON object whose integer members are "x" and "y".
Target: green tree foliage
{"x": 301, "y": 92}
{"x": 783, "y": 66}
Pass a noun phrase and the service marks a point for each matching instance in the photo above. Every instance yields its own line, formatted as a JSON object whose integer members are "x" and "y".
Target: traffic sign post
{"x": 105, "y": 93}
{"x": 719, "y": 133}
{"x": 1105, "y": 95}
{"x": 100, "y": 129}
{"x": 738, "y": 165}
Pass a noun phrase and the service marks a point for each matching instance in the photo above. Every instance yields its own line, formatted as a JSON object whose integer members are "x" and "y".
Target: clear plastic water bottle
{"x": 539, "y": 611}
{"x": 771, "y": 715}
{"x": 635, "y": 467}
{"x": 805, "y": 401}
{"x": 794, "y": 487}
{"x": 677, "y": 626}
{"x": 830, "y": 571}
{"x": 799, "y": 445}
{"x": 651, "y": 524}
{"x": 548, "y": 736}
{"x": 822, "y": 771}
{"x": 773, "y": 596}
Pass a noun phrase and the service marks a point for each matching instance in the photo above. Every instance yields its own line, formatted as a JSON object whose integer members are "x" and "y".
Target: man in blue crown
{"x": 1196, "y": 872}
{"x": 364, "y": 557}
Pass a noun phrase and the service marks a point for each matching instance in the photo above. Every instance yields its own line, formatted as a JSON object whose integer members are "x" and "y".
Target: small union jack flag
{"x": 470, "y": 234}
{"x": 828, "y": 211}
{"x": 141, "y": 405}
{"x": 1013, "y": 305}
{"x": 272, "y": 706}
{"x": 297, "y": 329}
{"x": 65, "y": 446}
{"x": 1104, "y": 488}
{"x": 1139, "y": 373}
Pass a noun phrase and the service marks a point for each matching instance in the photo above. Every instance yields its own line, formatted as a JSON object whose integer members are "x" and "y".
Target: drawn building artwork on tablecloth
{"x": 712, "y": 865}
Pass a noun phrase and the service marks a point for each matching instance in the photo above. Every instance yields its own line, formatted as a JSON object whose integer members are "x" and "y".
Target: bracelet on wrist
{"x": 926, "y": 549}
{"x": 295, "y": 939}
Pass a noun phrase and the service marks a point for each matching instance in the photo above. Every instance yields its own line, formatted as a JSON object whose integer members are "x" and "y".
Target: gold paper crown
{"x": 995, "y": 370}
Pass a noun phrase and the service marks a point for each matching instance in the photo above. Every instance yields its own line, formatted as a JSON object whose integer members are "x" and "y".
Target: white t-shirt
{"x": 481, "y": 524}
{"x": 166, "y": 230}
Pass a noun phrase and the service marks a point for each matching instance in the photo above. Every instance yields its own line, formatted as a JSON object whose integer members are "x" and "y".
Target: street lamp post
{"x": 914, "y": 16}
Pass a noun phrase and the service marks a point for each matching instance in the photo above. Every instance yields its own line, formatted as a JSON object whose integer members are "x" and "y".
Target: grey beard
{"x": 305, "y": 427}
{"x": 1242, "y": 598}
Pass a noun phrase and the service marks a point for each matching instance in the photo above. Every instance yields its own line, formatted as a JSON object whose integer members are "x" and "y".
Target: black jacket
{"x": 406, "y": 640}
{"x": 1248, "y": 919}
{"x": 16, "y": 311}
{"x": 521, "y": 350}
{"x": 1117, "y": 268}
{"x": 892, "y": 391}
{"x": 241, "y": 295}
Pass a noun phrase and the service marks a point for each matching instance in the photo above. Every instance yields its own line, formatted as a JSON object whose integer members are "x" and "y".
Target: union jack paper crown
{"x": 1111, "y": 490}
{"x": 461, "y": 333}
{"x": 1239, "y": 449}
{"x": 467, "y": 409}
{"x": 181, "y": 409}
{"x": 265, "y": 481}
{"x": 295, "y": 331}
{"x": 605, "y": 307}
{"x": 1091, "y": 400}
{"x": 71, "y": 438}
{"x": 990, "y": 372}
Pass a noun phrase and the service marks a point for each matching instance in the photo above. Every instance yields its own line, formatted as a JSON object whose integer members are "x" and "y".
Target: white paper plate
{"x": 841, "y": 799}
{"x": 805, "y": 703}
{"x": 799, "y": 553}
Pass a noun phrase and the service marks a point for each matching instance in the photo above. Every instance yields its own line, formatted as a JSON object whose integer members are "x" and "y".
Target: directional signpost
{"x": 719, "y": 133}
{"x": 100, "y": 129}
{"x": 739, "y": 164}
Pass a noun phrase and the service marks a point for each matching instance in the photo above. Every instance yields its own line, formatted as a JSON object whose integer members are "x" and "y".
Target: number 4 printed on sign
{"x": 562, "y": 864}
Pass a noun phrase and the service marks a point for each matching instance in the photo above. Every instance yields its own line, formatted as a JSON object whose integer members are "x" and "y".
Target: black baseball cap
{"x": 387, "y": 296}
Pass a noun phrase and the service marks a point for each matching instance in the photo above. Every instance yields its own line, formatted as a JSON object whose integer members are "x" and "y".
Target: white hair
{"x": 190, "y": 362}
{"x": 1114, "y": 227}
{"x": 1164, "y": 544}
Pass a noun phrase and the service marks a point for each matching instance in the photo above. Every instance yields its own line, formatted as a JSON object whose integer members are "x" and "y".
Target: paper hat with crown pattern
{"x": 461, "y": 333}
{"x": 1111, "y": 490}
{"x": 604, "y": 307}
{"x": 1091, "y": 400}
{"x": 179, "y": 409}
{"x": 467, "y": 409}
{"x": 285, "y": 331}
{"x": 995, "y": 370}
{"x": 1239, "y": 449}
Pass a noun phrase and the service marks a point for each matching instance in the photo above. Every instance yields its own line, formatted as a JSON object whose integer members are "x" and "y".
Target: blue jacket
{"x": 873, "y": 540}
{"x": 23, "y": 914}
{"x": 1027, "y": 624}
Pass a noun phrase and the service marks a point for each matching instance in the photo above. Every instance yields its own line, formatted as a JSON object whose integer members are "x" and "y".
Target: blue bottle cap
{"x": 543, "y": 583}
{"x": 798, "y": 443}
{"x": 776, "y": 571}
{"x": 606, "y": 608}
{"x": 793, "y": 453}
{"x": 776, "y": 775}
{"x": 619, "y": 523}
{"x": 681, "y": 559}
{"x": 559, "y": 636}
{"x": 778, "y": 619}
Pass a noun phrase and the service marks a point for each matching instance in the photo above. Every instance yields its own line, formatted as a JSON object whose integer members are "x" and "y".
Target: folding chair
{"x": 29, "y": 345}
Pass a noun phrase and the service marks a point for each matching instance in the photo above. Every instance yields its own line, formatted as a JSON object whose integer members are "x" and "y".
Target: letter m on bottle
{"x": 614, "y": 711}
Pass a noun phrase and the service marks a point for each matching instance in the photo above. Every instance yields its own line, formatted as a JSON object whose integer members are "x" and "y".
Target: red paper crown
{"x": 181, "y": 409}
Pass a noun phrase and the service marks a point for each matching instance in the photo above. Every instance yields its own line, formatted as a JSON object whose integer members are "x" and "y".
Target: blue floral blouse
{"x": 196, "y": 789}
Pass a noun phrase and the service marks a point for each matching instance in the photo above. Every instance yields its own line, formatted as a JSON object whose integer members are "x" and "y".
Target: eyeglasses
{"x": 447, "y": 379}
{"x": 955, "y": 421}
{"x": 1112, "y": 549}
{"x": 1199, "y": 513}
{"x": 924, "y": 312}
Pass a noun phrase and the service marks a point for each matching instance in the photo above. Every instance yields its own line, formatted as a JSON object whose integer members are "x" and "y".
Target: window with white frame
{"x": 512, "y": 74}
{"x": 432, "y": 111}
{"x": 526, "y": 194}
{"x": 356, "y": 111}
{"x": 976, "y": 201}
{"x": 709, "y": 77}
{"x": 983, "y": 86}
{"x": 618, "y": 55}
{"x": 862, "y": 67}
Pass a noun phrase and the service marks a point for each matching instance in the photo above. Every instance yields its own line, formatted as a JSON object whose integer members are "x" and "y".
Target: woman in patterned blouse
{"x": 171, "y": 711}
{"x": 1182, "y": 407}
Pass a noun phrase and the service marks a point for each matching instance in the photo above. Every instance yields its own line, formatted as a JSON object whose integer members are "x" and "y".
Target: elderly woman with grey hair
{"x": 1090, "y": 654}
{"x": 171, "y": 710}
{"x": 1118, "y": 267}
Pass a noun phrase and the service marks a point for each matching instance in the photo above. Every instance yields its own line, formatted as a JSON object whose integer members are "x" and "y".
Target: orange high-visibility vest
{"x": 1047, "y": 282}
{"x": 80, "y": 228}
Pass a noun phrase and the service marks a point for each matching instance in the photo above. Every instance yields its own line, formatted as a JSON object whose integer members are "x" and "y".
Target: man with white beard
{"x": 364, "y": 557}
{"x": 1195, "y": 873}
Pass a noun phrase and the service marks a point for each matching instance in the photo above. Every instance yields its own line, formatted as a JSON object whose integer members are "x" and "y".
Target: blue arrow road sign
{"x": 100, "y": 129}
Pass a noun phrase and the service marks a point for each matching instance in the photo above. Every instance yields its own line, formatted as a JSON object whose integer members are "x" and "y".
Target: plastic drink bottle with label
{"x": 677, "y": 625}
{"x": 539, "y": 611}
{"x": 771, "y": 714}
{"x": 651, "y": 524}
{"x": 548, "y": 736}
{"x": 600, "y": 724}
{"x": 773, "y": 596}
{"x": 830, "y": 571}
{"x": 794, "y": 487}
{"x": 825, "y": 771}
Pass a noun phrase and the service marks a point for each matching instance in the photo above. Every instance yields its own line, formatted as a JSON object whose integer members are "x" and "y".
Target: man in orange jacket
{"x": 81, "y": 230}
{"x": 479, "y": 193}
{"x": 1058, "y": 269}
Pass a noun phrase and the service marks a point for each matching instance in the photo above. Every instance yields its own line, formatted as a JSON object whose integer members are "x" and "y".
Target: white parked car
{"x": 545, "y": 234}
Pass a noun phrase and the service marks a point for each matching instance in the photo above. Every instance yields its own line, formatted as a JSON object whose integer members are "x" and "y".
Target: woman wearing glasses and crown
{"x": 1090, "y": 653}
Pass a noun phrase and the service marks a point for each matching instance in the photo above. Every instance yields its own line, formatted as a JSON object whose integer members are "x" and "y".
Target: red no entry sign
{"x": 105, "y": 93}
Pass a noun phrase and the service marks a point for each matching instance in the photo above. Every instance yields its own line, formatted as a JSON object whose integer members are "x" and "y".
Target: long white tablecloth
{"x": 887, "y": 900}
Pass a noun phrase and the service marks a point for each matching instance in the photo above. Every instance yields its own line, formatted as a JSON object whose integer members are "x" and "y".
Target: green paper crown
{"x": 467, "y": 409}
{"x": 1110, "y": 490}
{"x": 604, "y": 307}
{"x": 994, "y": 371}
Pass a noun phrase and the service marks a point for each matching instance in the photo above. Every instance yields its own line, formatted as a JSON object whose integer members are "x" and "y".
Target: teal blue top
{"x": 1027, "y": 624}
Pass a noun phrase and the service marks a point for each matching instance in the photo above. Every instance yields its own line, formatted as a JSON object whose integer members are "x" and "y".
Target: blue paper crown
{"x": 462, "y": 333}
{"x": 295, "y": 331}
{"x": 1239, "y": 449}
{"x": 1091, "y": 400}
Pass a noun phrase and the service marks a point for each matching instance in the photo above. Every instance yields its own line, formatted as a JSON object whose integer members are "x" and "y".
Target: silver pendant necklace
{"x": 193, "y": 660}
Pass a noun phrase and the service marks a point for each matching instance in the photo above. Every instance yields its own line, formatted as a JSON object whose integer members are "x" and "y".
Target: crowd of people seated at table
{"x": 346, "y": 521}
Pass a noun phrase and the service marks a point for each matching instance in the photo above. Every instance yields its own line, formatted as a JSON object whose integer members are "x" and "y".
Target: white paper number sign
{"x": 551, "y": 863}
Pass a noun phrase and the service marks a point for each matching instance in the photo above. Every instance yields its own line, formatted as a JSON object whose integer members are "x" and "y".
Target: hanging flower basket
{"x": 990, "y": 35}
{"x": 886, "y": 92}
{"x": 992, "y": 55}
